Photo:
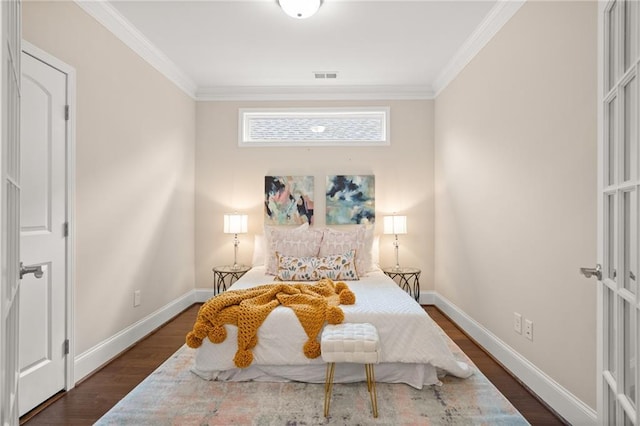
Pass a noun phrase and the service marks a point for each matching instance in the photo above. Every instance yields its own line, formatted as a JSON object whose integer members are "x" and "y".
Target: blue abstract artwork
{"x": 350, "y": 199}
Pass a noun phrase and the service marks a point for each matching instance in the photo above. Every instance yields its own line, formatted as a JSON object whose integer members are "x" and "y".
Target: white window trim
{"x": 245, "y": 113}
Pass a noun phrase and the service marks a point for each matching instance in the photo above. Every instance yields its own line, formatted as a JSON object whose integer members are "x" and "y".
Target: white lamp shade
{"x": 395, "y": 225}
{"x": 235, "y": 223}
{"x": 300, "y": 9}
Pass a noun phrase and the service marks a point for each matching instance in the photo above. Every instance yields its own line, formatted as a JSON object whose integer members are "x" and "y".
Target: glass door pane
{"x": 611, "y": 44}
{"x": 629, "y": 353}
{"x": 629, "y": 129}
{"x": 628, "y": 235}
{"x": 629, "y": 22}
{"x": 610, "y": 237}
{"x": 610, "y": 342}
{"x": 610, "y": 142}
{"x": 611, "y": 407}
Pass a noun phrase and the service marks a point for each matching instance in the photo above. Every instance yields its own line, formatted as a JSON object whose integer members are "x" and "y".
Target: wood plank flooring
{"x": 94, "y": 396}
{"x": 527, "y": 403}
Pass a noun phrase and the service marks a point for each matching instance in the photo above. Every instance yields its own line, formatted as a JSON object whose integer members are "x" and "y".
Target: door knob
{"x": 590, "y": 272}
{"x": 35, "y": 270}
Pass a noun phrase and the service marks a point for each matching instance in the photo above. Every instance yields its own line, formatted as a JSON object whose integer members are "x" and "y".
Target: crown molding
{"x": 111, "y": 19}
{"x": 295, "y": 93}
{"x": 495, "y": 20}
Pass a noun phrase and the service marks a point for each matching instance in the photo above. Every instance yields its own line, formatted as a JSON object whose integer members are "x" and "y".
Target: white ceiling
{"x": 251, "y": 48}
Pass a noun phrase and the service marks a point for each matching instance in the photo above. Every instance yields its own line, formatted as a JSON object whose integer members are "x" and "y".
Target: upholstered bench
{"x": 352, "y": 343}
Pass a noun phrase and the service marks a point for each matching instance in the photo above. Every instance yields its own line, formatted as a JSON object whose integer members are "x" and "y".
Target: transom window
{"x": 314, "y": 127}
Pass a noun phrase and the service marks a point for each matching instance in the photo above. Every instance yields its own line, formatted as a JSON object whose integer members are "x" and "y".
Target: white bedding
{"x": 412, "y": 349}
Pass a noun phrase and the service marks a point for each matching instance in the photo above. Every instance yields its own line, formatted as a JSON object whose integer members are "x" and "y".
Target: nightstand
{"x": 407, "y": 278}
{"x": 224, "y": 276}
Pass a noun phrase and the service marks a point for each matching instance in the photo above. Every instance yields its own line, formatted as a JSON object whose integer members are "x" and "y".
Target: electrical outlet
{"x": 528, "y": 329}
{"x": 517, "y": 323}
{"x": 136, "y": 298}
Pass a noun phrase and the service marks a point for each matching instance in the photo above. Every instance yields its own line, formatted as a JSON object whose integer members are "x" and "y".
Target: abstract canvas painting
{"x": 350, "y": 199}
{"x": 288, "y": 200}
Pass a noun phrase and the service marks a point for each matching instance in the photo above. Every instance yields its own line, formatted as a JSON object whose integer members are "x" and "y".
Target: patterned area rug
{"x": 172, "y": 395}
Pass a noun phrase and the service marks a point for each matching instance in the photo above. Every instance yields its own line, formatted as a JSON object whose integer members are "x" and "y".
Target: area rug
{"x": 173, "y": 395}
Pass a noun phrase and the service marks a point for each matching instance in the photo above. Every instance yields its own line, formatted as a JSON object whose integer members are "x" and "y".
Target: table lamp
{"x": 395, "y": 225}
{"x": 235, "y": 223}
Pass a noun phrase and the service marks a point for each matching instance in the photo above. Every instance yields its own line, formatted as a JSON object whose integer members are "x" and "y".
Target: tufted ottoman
{"x": 353, "y": 343}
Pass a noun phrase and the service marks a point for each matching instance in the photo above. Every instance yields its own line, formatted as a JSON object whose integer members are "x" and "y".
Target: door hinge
{"x": 65, "y": 229}
{"x": 66, "y": 347}
{"x": 66, "y": 112}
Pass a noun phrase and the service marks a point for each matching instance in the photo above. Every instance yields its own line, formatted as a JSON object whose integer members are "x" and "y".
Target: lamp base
{"x": 397, "y": 247}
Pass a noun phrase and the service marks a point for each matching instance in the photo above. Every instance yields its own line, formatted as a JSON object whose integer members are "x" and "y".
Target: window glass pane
{"x": 314, "y": 127}
{"x": 610, "y": 362}
{"x": 629, "y": 353}
{"x": 611, "y": 142}
{"x": 628, "y": 127}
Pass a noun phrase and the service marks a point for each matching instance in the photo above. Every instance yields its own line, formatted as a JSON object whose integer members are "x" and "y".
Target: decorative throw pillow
{"x": 299, "y": 241}
{"x": 336, "y": 266}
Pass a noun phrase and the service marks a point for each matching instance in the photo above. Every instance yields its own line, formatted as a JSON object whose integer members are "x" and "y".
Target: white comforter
{"x": 407, "y": 334}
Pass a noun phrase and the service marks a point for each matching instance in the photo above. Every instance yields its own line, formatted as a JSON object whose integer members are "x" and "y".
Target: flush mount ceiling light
{"x": 300, "y": 9}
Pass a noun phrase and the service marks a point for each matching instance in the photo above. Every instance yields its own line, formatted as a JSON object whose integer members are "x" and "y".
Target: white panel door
{"x": 619, "y": 186}
{"x": 10, "y": 40}
{"x": 43, "y": 235}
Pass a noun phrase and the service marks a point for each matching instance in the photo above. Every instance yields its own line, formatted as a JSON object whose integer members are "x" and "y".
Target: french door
{"x": 10, "y": 37}
{"x": 619, "y": 186}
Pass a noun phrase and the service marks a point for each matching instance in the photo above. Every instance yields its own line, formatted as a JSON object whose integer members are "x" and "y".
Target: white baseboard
{"x": 103, "y": 352}
{"x": 203, "y": 294}
{"x": 557, "y": 397}
{"x": 427, "y": 297}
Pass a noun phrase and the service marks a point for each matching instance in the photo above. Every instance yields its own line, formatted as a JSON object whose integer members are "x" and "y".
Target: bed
{"x": 412, "y": 348}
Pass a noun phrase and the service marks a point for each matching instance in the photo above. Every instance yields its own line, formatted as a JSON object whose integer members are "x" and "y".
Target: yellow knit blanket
{"x": 247, "y": 309}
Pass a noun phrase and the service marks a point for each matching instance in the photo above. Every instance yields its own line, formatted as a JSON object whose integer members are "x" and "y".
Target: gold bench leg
{"x": 371, "y": 387}
{"x": 328, "y": 385}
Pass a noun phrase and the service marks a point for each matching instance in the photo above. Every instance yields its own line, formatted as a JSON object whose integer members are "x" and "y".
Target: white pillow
{"x": 300, "y": 241}
{"x": 259, "y": 250}
{"x": 371, "y": 253}
{"x": 359, "y": 239}
{"x": 375, "y": 252}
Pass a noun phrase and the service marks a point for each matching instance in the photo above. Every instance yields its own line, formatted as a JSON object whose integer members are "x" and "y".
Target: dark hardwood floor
{"x": 95, "y": 395}
{"x": 527, "y": 403}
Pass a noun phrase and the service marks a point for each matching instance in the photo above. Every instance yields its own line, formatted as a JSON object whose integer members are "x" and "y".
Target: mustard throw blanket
{"x": 247, "y": 309}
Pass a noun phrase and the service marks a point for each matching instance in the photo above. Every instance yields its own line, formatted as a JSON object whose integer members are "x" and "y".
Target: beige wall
{"x": 504, "y": 227}
{"x": 230, "y": 178}
{"x": 516, "y": 188}
{"x": 135, "y": 138}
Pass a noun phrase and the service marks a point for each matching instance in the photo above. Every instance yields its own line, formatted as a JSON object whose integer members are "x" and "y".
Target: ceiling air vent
{"x": 325, "y": 74}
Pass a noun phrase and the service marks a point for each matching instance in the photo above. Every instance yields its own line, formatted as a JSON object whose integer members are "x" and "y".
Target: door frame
{"x": 600, "y": 215}
{"x": 70, "y": 156}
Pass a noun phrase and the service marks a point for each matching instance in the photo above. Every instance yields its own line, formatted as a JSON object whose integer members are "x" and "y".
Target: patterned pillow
{"x": 336, "y": 266}
{"x": 299, "y": 241}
